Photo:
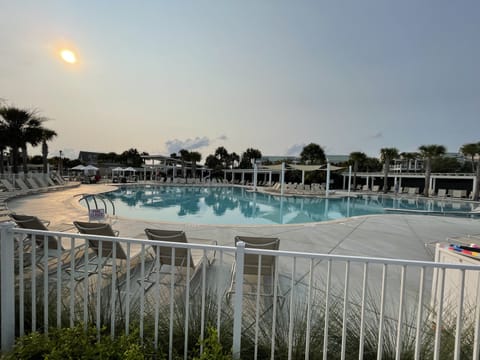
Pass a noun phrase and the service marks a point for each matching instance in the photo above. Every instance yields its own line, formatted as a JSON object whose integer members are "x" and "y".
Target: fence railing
{"x": 304, "y": 305}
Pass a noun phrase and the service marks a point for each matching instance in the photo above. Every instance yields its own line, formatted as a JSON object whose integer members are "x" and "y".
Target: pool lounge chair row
{"x": 103, "y": 253}
{"x": 192, "y": 181}
{"x": 26, "y": 186}
{"x": 32, "y": 184}
{"x": 442, "y": 193}
{"x": 299, "y": 189}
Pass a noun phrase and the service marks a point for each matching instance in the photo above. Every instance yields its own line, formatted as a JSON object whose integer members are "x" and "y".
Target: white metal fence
{"x": 310, "y": 306}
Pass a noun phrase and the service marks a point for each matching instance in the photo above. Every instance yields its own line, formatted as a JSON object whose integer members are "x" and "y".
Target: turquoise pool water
{"x": 235, "y": 205}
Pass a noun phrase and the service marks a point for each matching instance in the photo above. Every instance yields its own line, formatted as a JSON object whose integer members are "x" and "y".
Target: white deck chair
{"x": 181, "y": 258}
{"x": 253, "y": 265}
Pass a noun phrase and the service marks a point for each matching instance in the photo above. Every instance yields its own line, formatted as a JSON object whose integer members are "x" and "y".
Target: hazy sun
{"x": 68, "y": 56}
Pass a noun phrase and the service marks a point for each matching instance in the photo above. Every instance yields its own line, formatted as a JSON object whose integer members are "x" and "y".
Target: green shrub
{"x": 212, "y": 349}
{"x": 76, "y": 343}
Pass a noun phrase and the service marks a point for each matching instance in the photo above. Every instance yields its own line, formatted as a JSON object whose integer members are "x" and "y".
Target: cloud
{"x": 175, "y": 145}
{"x": 378, "y": 135}
{"x": 295, "y": 149}
{"x": 222, "y": 137}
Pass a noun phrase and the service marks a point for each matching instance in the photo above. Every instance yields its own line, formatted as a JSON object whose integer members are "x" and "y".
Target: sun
{"x": 68, "y": 56}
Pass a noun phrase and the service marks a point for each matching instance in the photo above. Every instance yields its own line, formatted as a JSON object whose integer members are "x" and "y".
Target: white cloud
{"x": 295, "y": 149}
{"x": 176, "y": 145}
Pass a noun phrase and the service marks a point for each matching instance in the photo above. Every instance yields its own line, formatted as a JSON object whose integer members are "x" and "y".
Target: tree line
{"x": 19, "y": 128}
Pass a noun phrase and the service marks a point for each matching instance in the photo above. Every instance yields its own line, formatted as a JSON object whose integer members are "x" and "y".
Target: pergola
{"x": 303, "y": 168}
{"x": 166, "y": 163}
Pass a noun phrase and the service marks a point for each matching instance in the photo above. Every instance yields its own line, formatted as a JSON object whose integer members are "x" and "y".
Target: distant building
{"x": 407, "y": 165}
{"x": 337, "y": 159}
{"x": 418, "y": 164}
{"x": 277, "y": 159}
{"x": 88, "y": 157}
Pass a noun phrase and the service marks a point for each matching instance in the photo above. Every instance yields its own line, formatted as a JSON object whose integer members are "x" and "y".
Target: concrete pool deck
{"x": 392, "y": 236}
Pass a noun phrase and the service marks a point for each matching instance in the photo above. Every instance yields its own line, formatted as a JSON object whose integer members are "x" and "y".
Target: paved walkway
{"x": 392, "y": 236}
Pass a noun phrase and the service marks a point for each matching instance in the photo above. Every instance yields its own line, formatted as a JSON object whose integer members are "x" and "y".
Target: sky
{"x": 274, "y": 75}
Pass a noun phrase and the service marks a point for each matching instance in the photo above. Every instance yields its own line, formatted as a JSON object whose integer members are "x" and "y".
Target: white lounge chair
{"x": 254, "y": 264}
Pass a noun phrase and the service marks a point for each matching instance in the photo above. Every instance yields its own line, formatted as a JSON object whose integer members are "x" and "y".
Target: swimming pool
{"x": 239, "y": 206}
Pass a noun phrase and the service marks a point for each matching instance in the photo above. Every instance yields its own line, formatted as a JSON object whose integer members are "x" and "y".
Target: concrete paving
{"x": 392, "y": 236}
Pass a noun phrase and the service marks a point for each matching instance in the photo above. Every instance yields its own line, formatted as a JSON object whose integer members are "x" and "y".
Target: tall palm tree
{"x": 357, "y": 157}
{"x": 232, "y": 158}
{"x": 22, "y": 127}
{"x": 472, "y": 150}
{"x": 387, "y": 155}
{"x": 428, "y": 152}
{"x": 184, "y": 156}
{"x": 195, "y": 157}
{"x": 47, "y": 135}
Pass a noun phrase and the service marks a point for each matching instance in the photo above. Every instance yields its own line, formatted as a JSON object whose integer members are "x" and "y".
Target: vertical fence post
{"x": 238, "y": 299}
{"x": 7, "y": 271}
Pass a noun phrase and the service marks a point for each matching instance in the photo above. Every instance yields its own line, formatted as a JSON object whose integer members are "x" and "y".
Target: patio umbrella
{"x": 117, "y": 171}
{"x": 90, "y": 168}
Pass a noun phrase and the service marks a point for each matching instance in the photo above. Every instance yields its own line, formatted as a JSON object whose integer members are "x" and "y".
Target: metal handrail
{"x": 94, "y": 197}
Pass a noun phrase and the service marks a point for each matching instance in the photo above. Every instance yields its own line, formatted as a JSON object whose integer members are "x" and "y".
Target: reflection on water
{"x": 234, "y": 205}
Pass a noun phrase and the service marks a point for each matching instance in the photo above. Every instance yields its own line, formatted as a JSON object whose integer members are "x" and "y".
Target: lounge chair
{"x": 53, "y": 243}
{"x": 102, "y": 229}
{"x": 413, "y": 190}
{"x": 9, "y": 186}
{"x": 34, "y": 223}
{"x": 252, "y": 261}
{"x": 182, "y": 257}
{"x": 34, "y": 185}
{"x": 442, "y": 193}
{"x": 24, "y": 187}
{"x": 41, "y": 181}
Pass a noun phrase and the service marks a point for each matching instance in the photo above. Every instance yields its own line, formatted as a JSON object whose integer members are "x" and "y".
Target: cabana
{"x": 283, "y": 167}
{"x": 116, "y": 172}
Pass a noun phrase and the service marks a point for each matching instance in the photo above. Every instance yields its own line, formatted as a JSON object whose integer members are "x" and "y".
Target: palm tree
{"x": 184, "y": 156}
{"x": 357, "y": 157}
{"x": 21, "y": 127}
{"x": 195, "y": 157}
{"x": 472, "y": 150}
{"x": 387, "y": 155}
{"x": 47, "y": 135}
{"x": 249, "y": 155}
{"x": 232, "y": 158}
{"x": 428, "y": 152}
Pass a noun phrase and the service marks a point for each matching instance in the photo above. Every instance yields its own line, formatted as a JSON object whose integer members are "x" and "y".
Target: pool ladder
{"x": 94, "y": 204}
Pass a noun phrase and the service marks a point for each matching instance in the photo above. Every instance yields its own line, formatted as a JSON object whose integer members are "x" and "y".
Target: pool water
{"x": 239, "y": 206}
